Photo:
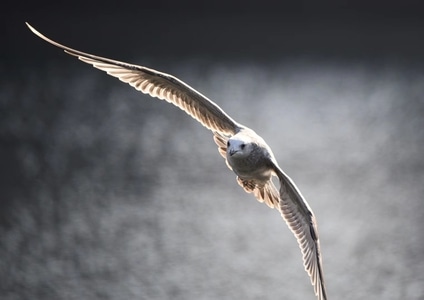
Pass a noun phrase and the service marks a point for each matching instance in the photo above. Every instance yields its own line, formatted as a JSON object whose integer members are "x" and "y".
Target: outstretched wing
{"x": 301, "y": 221}
{"x": 159, "y": 85}
{"x": 295, "y": 211}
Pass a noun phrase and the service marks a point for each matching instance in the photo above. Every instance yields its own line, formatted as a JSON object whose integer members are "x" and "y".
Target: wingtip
{"x": 33, "y": 29}
{"x": 43, "y": 37}
{"x": 29, "y": 26}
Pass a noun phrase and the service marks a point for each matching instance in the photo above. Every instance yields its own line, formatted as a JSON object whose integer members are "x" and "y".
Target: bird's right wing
{"x": 301, "y": 221}
{"x": 159, "y": 85}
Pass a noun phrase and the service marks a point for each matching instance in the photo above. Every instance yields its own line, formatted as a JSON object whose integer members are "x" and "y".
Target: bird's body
{"x": 245, "y": 152}
{"x": 249, "y": 156}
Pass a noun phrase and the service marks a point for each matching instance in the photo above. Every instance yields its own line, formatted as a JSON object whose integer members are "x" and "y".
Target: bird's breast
{"x": 248, "y": 168}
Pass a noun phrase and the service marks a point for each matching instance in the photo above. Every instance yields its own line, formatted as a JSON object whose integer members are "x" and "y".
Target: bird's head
{"x": 239, "y": 146}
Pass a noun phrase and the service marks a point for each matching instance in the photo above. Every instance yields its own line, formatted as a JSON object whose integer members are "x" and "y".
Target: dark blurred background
{"x": 109, "y": 194}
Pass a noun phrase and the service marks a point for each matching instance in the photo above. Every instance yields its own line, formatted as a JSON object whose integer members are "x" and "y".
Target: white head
{"x": 239, "y": 146}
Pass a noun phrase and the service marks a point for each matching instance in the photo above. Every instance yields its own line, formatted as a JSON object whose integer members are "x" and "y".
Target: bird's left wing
{"x": 301, "y": 221}
{"x": 159, "y": 85}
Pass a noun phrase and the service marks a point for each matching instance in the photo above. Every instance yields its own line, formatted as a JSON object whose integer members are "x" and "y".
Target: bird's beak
{"x": 232, "y": 151}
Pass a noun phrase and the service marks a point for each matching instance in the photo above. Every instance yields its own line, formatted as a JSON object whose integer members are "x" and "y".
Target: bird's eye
{"x": 228, "y": 143}
{"x": 242, "y": 146}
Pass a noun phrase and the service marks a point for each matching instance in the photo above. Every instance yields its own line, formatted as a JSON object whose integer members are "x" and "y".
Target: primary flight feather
{"x": 245, "y": 152}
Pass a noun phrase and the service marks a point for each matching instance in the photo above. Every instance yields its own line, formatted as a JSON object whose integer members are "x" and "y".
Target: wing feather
{"x": 160, "y": 85}
{"x": 301, "y": 221}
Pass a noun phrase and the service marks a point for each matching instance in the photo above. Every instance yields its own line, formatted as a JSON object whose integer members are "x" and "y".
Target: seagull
{"x": 244, "y": 151}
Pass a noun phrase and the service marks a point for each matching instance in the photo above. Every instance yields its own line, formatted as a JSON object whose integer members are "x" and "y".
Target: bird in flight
{"x": 245, "y": 152}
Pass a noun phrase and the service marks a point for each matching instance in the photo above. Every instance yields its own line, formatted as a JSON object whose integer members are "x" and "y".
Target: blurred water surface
{"x": 110, "y": 194}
